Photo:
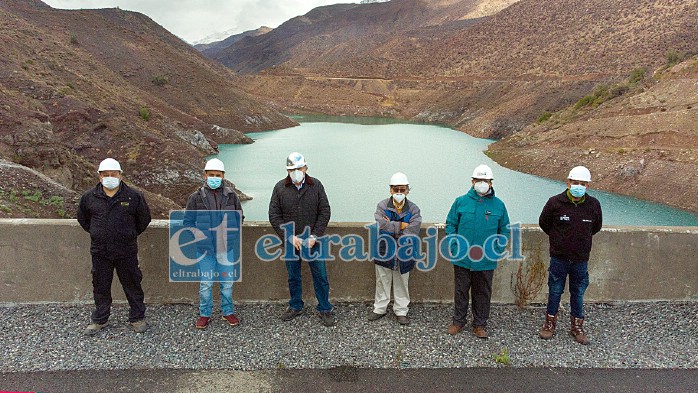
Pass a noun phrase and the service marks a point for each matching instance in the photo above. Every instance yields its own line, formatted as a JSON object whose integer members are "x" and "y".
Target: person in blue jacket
{"x": 215, "y": 196}
{"x": 480, "y": 220}
{"x": 396, "y": 217}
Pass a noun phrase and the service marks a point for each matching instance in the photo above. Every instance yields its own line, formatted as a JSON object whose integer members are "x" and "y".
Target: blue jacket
{"x": 476, "y": 218}
{"x": 389, "y": 221}
{"x": 208, "y": 204}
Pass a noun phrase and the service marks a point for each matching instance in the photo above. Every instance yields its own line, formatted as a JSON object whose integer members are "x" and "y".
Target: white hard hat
{"x": 399, "y": 179}
{"x": 295, "y": 160}
{"x": 109, "y": 164}
{"x": 214, "y": 164}
{"x": 482, "y": 172}
{"x": 579, "y": 173}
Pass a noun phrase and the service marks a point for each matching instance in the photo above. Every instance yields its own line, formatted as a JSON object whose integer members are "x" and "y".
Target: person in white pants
{"x": 396, "y": 217}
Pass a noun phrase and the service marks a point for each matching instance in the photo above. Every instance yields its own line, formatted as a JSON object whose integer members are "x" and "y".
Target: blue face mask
{"x": 577, "y": 190}
{"x": 214, "y": 182}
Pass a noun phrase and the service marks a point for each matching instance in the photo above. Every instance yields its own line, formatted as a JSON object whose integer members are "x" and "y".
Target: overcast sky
{"x": 193, "y": 20}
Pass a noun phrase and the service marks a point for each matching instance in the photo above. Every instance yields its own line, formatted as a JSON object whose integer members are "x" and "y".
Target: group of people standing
{"x": 115, "y": 214}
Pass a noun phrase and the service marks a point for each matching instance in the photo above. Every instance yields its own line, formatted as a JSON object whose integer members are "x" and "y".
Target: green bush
{"x": 160, "y": 80}
{"x": 584, "y": 101}
{"x": 674, "y": 57}
{"x": 144, "y": 113}
{"x": 637, "y": 75}
{"x": 35, "y": 197}
{"x": 74, "y": 39}
{"x": 545, "y": 116}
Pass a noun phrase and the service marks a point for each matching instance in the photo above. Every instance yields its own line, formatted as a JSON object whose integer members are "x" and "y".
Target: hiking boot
{"x": 480, "y": 332}
{"x": 231, "y": 319}
{"x": 403, "y": 320}
{"x": 327, "y": 318}
{"x": 94, "y": 328}
{"x": 202, "y": 322}
{"x": 548, "y": 329}
{"x": 577, "y": 331}
{"x": 374, "y": 316}
{"x": 454, "y": 329}
{"x": 139, "y": 326}
{"x": 290, "y": 313}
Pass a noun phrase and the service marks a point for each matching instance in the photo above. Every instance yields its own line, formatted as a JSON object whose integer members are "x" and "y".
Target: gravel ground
{"x": 638, "y": 335}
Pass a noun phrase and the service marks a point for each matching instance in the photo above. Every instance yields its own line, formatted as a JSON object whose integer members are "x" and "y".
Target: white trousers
{"x": 385, "y": 279}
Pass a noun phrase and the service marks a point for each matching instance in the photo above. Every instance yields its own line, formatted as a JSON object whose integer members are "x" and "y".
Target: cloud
{"x": 192, "y": 20}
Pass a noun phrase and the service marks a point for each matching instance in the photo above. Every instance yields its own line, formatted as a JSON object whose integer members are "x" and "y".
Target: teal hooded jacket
{"x": 477, "y": 218}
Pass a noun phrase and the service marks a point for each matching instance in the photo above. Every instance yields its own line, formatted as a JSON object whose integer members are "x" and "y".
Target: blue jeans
{"x": 320, "y": 283}
{"x": 206, "y": 298}
{"x": 208, "y": 264}
{"x": 579, "y": 281}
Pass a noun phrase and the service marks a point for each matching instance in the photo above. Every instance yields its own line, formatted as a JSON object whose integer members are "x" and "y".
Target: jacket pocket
{"x": 466, "y": 215}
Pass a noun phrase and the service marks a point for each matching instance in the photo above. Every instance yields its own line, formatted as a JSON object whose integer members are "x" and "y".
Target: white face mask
{"x": 481, "y": 187}
{"x": 398, "y": 198}
{"x": 297, "y": 176}
{"x": 110, "y": 183}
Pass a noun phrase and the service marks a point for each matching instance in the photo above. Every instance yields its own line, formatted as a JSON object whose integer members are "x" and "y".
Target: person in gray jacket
{"x": 301, "y": 200}
{"x": 396, "y": 217}
{"x": 213, "y": 195}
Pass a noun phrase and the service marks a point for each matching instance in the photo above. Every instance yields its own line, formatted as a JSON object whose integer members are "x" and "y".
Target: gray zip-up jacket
{"x": 389, "y": 222}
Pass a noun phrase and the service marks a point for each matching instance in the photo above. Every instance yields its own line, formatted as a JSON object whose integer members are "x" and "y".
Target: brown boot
{"x": 548, "y": 329}
{"x": 577, "y": 331}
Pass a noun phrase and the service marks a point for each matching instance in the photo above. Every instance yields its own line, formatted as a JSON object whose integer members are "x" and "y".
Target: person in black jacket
{"x": 570, "y": 219}
{"x": 301, "y": 200}
{"x": 214, "y": 195}
{"x": 114, "y": 214}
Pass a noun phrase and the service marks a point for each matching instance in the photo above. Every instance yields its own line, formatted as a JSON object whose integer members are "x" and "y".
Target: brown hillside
{"x": 77, "y": 86}
{"x": 489, "y": 77}
{"x": 643, "y": 144}
{"x": 339, "y": 32}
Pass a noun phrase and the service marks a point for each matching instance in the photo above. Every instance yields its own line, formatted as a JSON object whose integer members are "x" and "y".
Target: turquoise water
{"x": 355, "y": 159}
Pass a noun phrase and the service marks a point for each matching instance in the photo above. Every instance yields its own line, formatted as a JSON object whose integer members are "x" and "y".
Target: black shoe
{"x": 374, "y": 316}
{"x": 327, "y": 318}
{"x": 290, "y": 313}
{"x": 403, "y": 320}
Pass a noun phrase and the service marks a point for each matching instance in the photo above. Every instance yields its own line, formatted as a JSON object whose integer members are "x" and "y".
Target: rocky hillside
{"x": 643, "y": 142}
{"x": 213, "y": 48}
{"x": 77, "y": 86}
{"x": 489, "y": 76}
{"x": 342, "y": 32}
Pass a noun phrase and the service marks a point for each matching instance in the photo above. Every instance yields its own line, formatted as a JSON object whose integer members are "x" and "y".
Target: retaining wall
{"x": 49, "y": 261}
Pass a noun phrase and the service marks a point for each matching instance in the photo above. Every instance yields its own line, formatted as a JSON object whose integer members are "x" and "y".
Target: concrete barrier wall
{"x": 49, "y": 261}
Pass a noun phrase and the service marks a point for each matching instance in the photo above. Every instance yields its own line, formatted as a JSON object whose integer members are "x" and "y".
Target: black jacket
{"x": 114, "y": 223}
{"x": 307, "y": 207}
{"x": 570, "y": 226}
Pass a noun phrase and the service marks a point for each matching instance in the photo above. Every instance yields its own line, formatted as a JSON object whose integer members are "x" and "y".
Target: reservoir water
{"x": 354, "y": 161}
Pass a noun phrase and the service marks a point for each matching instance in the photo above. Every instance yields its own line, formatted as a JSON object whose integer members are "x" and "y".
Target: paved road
{"x": 348, "y": 379}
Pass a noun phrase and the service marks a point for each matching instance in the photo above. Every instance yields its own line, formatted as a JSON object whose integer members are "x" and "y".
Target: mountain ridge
{"x": 77, "y": 86}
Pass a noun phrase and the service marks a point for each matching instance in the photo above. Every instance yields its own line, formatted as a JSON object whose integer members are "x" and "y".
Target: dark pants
{"x": 130, "y": 277}
{"x": 479, "y": 284}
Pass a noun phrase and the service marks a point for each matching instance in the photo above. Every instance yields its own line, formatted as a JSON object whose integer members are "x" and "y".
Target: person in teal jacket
{"x": 478, "y": 223}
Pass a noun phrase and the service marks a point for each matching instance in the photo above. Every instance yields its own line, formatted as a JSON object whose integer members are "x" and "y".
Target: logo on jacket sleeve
{"x": 564, "y": 218}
